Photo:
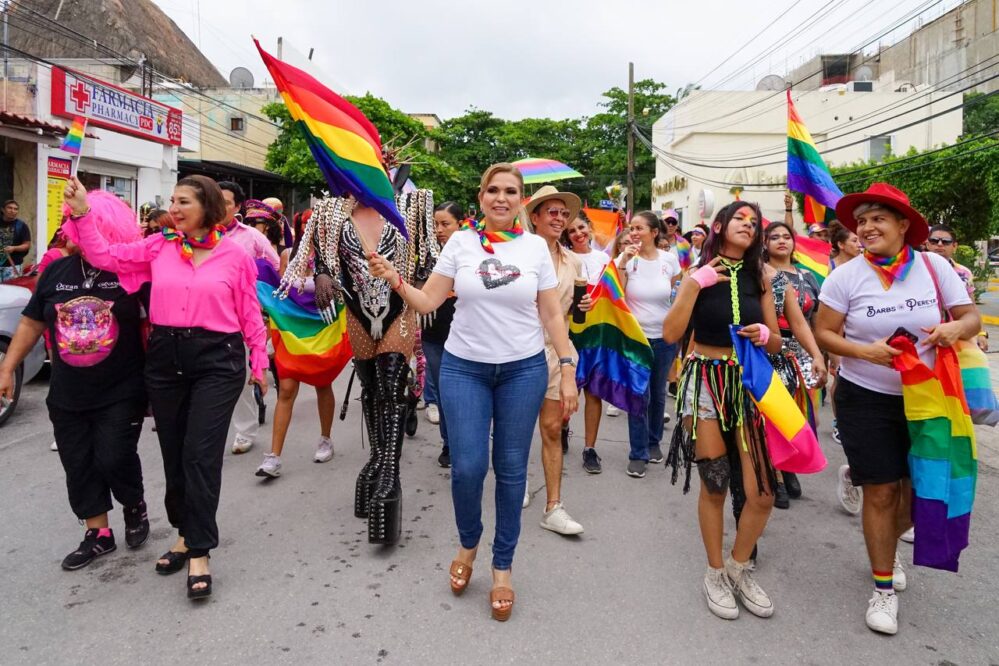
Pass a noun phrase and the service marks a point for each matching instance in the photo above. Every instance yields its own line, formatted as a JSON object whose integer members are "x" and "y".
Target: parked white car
{"x": 12, "y": 302}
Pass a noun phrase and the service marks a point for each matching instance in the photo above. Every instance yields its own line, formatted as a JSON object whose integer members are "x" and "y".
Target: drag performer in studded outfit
{"x": 382, "y": 329}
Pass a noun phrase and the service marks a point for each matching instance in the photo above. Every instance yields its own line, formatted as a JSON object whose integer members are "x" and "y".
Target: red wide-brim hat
{"x": 885, "y": 194}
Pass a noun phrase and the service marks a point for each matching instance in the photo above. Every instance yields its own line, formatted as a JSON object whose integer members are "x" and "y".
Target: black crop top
{"x": 713, "y": 310}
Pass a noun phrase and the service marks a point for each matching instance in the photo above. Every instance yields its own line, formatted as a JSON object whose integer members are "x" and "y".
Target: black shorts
{"x": 874, "y": 433}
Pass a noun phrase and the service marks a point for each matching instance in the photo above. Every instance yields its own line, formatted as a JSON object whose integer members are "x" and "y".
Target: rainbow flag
{"x": 73, "y": 141}
{"x": 683, "y": 252}
{"x": 806, "y": 171}
{"x": 816, "y": 213}
{"x": 943, "y": 460}
{"x": 305, "y": 347}
{"x": 615, "y": 359}
{"x": 790, "y": 439}
{"x": 812, "y": 255}
{"x": 345, "y": 145}
{"x": 977, "y": 383}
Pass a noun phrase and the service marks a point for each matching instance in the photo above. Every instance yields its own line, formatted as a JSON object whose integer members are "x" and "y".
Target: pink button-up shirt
{"x": 220, "y": 294}
{"x": 255, "y": 243}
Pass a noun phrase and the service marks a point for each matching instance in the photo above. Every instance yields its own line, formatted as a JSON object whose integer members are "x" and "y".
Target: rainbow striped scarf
{"x": 188, "y": 243}
{"x": 893, "y": 268}
{"x": 943, "y": 460}
{"x": 487, "y": 238}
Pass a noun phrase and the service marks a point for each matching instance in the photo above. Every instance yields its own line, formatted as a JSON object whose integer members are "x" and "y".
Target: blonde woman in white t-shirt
{"x": 579, "y": 239}
{"x": 648, "y": 275}
{"x": 494, "y": 373}
{"x": 862, "y": 305}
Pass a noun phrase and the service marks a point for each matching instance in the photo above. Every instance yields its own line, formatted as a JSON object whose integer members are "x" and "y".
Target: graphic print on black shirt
{"x": 97, "y": 356}
{"x": 494, "y": 273}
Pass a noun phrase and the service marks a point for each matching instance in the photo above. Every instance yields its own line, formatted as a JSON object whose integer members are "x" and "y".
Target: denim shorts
{"x": 705, "y": 403}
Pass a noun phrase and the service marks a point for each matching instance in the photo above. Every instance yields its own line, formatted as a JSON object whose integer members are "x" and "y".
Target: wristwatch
{"x": 567, "y": 360}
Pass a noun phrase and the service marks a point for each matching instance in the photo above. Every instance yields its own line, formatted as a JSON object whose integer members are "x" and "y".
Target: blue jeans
{"x": 507, "y": 397}
{"x": 433, "y": 352}
{"x": 647, "y": 430}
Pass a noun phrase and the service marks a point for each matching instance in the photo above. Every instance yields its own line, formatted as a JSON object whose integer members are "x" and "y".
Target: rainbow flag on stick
{"x": 683, "y": 252}
{"x": 790, "y": 439}
{"x": 812, "y": 255}
{"x": 615, "y": 359}
{"x": 305, "y": 347}
{"x": 73, "y": 141}
{"x": 943, "y": 459}
{"x": 806, "y": 171}
{"x": 345, "y": 145}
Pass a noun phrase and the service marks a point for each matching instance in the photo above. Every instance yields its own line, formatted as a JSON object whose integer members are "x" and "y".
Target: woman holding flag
{"x": 892, "y": 292}
{"x": 719, "y": 420}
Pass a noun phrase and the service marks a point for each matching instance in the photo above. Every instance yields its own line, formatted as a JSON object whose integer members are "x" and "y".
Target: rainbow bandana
{"x": 487, "y": 238}
{"x": 893, "y": 268}
{"x": 188, "y": 243}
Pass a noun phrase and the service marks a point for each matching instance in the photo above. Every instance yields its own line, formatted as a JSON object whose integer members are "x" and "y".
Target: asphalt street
{"x": 297, "y": 582}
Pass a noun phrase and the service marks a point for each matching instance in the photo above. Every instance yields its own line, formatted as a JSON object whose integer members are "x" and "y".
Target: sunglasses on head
{"x": 558, "y": 213}
{"x": 940, "y": 241}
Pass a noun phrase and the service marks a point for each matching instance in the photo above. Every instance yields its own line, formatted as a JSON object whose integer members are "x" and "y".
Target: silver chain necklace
{"x": 88, "y": 276}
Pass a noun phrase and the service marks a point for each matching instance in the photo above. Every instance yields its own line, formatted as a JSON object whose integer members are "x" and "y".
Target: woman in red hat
{"x": 863, "y": 303}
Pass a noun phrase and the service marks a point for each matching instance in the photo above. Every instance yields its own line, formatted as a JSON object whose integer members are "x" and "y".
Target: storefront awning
{"x": 33, "y": 125}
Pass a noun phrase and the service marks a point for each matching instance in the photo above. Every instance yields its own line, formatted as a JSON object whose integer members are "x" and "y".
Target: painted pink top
{"x": 220, "y": 294}
{"x": 255, "y": 244}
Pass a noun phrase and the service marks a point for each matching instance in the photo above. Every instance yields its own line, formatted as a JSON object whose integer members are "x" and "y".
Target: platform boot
{"x": 365, "y": 486}
{"x": 385, "y": 510}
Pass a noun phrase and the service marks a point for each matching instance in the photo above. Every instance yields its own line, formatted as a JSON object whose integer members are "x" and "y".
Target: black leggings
{"x": 97, "y": 448}
{"x": 194, "y": 378}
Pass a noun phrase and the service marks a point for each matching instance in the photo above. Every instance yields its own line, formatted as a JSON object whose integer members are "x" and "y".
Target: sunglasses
{"x": 555, "y": 213}
{"x": 940, "y": 241}
{"x": 672, "y": 223}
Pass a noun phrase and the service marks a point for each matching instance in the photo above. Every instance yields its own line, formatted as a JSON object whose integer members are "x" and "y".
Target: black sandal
{"x": 199, "y": 593}
{"x": 176, "y": 562}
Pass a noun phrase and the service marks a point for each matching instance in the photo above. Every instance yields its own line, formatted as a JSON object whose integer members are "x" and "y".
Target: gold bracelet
{"x": 77, "y": 216}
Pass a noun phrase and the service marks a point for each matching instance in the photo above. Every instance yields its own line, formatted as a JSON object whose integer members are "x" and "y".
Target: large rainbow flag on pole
{"x": 790, "y": 438}
{"x": 943, "y": 460}
{"x": 806, "y": 170}
{"x": 345, "y": 145}
{"x": 615, "y": 359}
{"x": 305, "y": 347}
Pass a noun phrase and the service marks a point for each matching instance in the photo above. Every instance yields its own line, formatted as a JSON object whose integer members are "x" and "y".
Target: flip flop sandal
{"x": 463, "y": 572}
{"x": 501, "y": 594}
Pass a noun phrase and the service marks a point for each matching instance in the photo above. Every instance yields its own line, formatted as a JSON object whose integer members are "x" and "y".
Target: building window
{"x": 237, "y": 124}
{"x": 879, "y": 147}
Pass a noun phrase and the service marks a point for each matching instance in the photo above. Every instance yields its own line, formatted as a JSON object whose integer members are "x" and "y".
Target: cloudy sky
{"x": 537, "y": 58}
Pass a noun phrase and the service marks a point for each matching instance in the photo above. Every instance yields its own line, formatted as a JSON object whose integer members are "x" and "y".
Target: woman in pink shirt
{"x": 203, "y": 306}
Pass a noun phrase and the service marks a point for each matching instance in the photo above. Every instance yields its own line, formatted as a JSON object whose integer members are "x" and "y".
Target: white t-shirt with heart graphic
{"x": 496, "y": 316}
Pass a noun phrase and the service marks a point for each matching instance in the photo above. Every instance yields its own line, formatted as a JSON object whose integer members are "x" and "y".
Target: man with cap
{"x": 550, "y": 213}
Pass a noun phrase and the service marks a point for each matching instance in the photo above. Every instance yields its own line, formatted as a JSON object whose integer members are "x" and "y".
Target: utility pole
{"x": 631, "y": 139}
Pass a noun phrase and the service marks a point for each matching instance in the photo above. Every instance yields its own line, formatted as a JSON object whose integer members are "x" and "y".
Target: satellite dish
{"x": 864, "y": 73}
{"x": 241, "y": 77}
{"x": 772, "y": 82}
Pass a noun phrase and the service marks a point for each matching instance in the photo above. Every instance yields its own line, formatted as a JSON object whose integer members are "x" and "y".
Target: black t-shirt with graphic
{"x": 93, "y": 326}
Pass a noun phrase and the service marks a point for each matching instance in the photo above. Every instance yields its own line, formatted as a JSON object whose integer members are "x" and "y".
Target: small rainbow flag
{"x": 943, "y": 459}
{"x": 790, "y": 439}
{"x": 683, "y": 252}
{"x": 812, "y": 255}
{"x": 305, "y": 347}
{"x": 73, "y": 141}
{"x": 345, "y": 145}
{"x": 615, "y": 359}
{"x": 806, "y": 171}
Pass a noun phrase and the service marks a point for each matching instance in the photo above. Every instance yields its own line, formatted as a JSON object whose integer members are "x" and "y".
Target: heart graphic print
{"x": 495, "y": 274}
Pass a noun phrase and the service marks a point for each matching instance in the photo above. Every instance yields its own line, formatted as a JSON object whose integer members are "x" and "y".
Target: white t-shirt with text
{"x": 649, "y": 288}
{"x": 496, "y": 317}
{"x": 873, "y": 314}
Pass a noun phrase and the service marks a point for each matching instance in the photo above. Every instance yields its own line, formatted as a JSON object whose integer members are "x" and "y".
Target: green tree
{"x": 981, "y": 114}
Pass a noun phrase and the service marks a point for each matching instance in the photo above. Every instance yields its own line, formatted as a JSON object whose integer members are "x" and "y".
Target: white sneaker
{"x": 433, "y": 414}
{"x": 882, "y": 612}
{"x": 53, "y": 447}
{"x": 899, "y": 581}
{"x": 241, "y": 444}
{"x": 559, "y": 521}
{"x": 850, "y": 496}
{"x": 612, "y": 410}
{"x": 324, "y": 450}
{"x": 747, "y": 590}
{"x": 718, "y": 594}
{"x": 527, "y": 497}
{"x": 421, "y": 404}
{"x": 271, "y": 467}
{"x": 908, "y": 536}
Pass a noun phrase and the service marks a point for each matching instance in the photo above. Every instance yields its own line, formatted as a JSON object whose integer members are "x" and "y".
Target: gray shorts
{"x": 706, "y": 408}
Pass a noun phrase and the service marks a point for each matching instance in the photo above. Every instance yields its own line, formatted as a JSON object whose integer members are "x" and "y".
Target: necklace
{"x": 88, "y": 275}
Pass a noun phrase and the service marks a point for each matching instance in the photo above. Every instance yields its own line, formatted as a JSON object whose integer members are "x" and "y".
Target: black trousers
{"x": 194, "y": 378}
{"x": 97, "y": 448}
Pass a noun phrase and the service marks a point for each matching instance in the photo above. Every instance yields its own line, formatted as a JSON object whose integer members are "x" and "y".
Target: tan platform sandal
{"x": 501, "y": 594}
{"x": 462, "y": 571}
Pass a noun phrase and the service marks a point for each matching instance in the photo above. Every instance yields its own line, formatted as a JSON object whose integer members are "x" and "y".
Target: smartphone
{"x": 901, "y": 331}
